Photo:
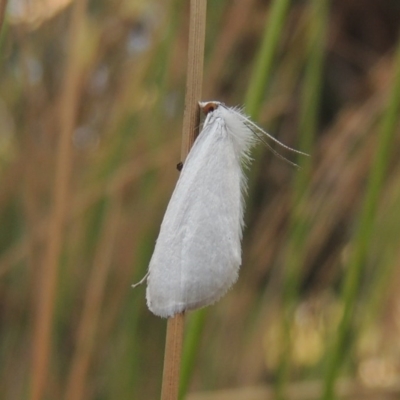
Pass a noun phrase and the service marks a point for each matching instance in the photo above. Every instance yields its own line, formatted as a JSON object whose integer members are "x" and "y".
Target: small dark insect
{"x": 179, "y": 166}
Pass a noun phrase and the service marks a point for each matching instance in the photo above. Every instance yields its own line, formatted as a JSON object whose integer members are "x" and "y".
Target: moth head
{"x": 209, "y": 106}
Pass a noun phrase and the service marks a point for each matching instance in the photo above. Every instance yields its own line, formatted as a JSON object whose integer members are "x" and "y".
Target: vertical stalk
{"x": 88, "y": 324}
{"x": 172, "y": 357}
{"x": 194, "y": 82}
{"x": 197, "y": 32}
{"x": 48, "y": 280}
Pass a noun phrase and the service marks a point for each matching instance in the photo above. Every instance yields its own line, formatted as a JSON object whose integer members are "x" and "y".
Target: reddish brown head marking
{"x": 209, "y": 106}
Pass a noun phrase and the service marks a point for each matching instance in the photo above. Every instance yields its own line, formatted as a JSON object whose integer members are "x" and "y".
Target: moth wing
{"x": 198, "y": 254}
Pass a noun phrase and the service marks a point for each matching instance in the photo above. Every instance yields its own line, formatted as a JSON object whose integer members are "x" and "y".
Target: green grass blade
{"x": 194, "y": 330}
{"x": 261, "y": 75}
{"x": 299, "y": 221}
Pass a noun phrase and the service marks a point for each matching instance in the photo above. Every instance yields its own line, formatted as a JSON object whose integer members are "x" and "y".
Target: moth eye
{"x": 209, "y": 107}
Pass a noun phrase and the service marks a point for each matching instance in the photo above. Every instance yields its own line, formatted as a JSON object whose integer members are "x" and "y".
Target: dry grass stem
{"x": 172, "y": 357}
{"x": 194, "y": 82}
{"x": 93, "y": 302}
{"x": 197, "y": 32}
{"x": 48, "y": 278}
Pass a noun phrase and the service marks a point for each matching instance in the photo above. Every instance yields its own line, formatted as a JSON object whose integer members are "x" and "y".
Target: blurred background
{"x": 91, "y": 107}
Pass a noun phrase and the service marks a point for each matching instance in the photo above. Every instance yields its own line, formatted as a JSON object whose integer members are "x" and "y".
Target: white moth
{"x": 198, "y": 251}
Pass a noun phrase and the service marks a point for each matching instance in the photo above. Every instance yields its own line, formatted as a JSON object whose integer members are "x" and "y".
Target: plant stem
{"x": 172, "y": 357}
{"x": 197, "y": 33}
{"x": 60, "y": 196}
{"x": 194, "y": 82}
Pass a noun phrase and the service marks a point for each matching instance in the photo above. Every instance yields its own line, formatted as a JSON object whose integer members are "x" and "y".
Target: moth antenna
{"x": 274, "y": 151}
{"x": 257, "y": 128}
